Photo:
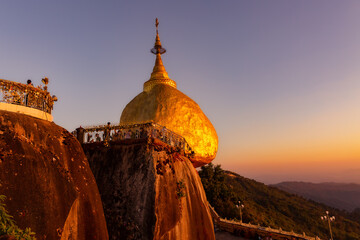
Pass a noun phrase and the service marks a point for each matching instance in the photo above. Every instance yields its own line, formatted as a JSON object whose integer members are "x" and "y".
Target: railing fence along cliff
{"x": 27, "y": 95}
{"x": 108, "y": 133}
{"x": 248, "y": 229}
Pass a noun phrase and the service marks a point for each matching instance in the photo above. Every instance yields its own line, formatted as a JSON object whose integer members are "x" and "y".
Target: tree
{"x": 9, "y": 227}
{"x": 218, "y": 193}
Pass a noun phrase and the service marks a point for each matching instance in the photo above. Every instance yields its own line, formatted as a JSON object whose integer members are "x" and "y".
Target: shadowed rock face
{"x": 47, "y": 180}
{"x": 149, "y": 191}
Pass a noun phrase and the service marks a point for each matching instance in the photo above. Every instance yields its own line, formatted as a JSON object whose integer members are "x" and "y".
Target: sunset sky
{"x": 279, "y": 80}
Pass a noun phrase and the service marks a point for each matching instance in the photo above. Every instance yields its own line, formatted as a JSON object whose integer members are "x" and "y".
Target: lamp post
{"x": 328, "y": 219}
{"x": 240, "y": 207}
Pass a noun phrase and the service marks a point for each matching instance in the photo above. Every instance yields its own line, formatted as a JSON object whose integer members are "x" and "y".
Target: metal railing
{"x": 108, "y": 133}
{"x": 27, "y": 95}
{"x": 232, "y": 226}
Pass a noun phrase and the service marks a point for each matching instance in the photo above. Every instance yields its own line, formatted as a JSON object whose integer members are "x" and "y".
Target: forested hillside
{"x": 269, "y": 206}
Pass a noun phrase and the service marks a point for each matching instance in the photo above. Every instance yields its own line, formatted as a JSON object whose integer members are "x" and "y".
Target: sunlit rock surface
{"x": 149, "y": 191}
{"x": 47, "y": 180}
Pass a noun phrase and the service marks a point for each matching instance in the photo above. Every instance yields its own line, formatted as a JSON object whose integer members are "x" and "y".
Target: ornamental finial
{"x": 157, "y": 24}
{"x": 158, "y": 49}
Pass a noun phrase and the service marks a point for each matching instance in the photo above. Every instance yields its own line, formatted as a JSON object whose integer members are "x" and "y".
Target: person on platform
{"x": 128, "y": 134}
{"x": 98, "y": 139}
{"x": 89, "y": 136}
{"x": 28, "y": 83}
{"x": 107, "y": 132}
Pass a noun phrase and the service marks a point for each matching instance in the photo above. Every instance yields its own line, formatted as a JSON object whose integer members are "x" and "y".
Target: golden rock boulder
{"x": 162, "y": 103}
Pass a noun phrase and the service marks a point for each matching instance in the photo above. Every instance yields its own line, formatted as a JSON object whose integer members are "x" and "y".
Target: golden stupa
{"x": 162, "y": 103}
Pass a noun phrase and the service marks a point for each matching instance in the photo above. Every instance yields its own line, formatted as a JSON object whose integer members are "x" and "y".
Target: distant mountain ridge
{"x": 339, "y": 195}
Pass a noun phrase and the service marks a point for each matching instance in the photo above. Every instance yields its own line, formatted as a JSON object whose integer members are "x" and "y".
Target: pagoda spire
{"x": 159, "y": 74}
{"x": 158, "y": 49}
{"x": 159, "y": 70}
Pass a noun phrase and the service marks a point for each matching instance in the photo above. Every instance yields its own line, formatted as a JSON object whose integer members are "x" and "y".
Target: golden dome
{"x": 162, "y": 103}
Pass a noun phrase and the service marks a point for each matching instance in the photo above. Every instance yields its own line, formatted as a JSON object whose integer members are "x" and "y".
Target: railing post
{"x": 80, "y": 134}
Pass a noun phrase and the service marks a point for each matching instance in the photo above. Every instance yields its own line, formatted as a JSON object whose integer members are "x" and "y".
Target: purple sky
{"x": 278, "y": 79}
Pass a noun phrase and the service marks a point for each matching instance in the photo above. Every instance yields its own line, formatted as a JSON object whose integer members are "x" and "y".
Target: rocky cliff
{"x": 47, "y": 180}
{"x": 149, "y": 191}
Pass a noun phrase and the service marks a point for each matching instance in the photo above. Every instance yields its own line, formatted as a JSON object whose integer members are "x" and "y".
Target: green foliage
{"x": 355, "y": 215}
{"x": 269, "y": 206}
{"x": 218, "y": 193}
{"x": 180, "y": 189}
{"x": 8, "y": 226}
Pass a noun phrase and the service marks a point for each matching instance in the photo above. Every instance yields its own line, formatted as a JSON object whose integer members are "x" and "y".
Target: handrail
{"x": 108, "y": 133}
{"x": 225, "y": 224}
{"x": 27, "y": 95}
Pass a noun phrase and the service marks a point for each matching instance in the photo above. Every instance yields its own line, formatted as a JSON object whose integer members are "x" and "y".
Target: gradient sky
{"x": 279, "y": 80}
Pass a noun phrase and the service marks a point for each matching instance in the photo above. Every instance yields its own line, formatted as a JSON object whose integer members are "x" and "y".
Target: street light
{"x": 329, "y": 219}
{"x": 240, "y": 207}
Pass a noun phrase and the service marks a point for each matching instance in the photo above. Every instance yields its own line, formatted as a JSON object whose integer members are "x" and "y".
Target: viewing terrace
{"x": 27, "y": 99}
{"x": 106, "y": 134}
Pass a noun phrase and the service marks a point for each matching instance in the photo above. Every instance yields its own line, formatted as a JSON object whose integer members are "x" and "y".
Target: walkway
{"x": 254, "y": 231}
